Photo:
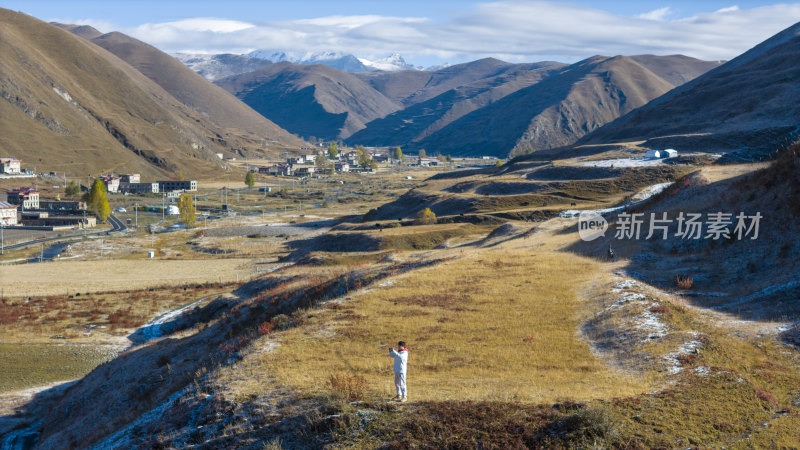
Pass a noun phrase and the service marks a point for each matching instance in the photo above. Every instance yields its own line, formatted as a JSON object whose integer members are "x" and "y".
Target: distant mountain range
{"x": 338, "y": 60}
{"x": 216, "y": 66}
{"x": 485, "y": 107}
{"x": 554, "y": 110}
{"x": 82, "y": 101}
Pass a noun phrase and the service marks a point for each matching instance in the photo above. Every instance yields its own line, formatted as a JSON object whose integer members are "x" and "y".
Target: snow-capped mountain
{"x": 437, "y": 67}
{"x": 215, "y": 67}
{"x": 339, "y": 60}
{"x": 391, "y": 63}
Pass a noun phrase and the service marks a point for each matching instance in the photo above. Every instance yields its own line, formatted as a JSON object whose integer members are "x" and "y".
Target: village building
{"x": 428, "y": 162}
{"x": 111, "y": 182}
{"x": 10, "y": 166}
{"x": 8, "y": 214}
{"x": 129, "y": 178}
{"x": 139, "y": 188}
{"x": 27, "y": 198}
{"x": 63, "y": 206}
{"x": 669, "y": 153}
{"x": 304, "y": 171}
{"x": 342, "y": 166}
{"x": 653, "y": 154}
{"x": 177, "y": 186}
{"x": 44, "y": 219}
{"x": 278, "y": 169}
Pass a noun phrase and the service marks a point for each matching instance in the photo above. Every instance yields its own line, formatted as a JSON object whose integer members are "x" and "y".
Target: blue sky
{"x": 430, "y": 32}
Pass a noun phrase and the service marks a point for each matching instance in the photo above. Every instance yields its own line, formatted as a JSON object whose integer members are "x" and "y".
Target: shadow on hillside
{"x": 753, "y": 279}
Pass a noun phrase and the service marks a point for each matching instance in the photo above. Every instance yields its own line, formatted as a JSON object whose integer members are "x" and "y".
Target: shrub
{"x": 265, "y": 329}
{"x": 765, "y": 396}
{"x": 586, "y": 427}
{"x": 425, "y": 217}
{"x": 280, "y": 321}
{"x": 684, "y": 281}
{"x": 349, "y": 387}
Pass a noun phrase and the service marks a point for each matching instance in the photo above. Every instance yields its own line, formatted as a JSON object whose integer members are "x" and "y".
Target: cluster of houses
{"x": 132, "y": 184}
{"x": 24, "y": 208}
{"x": 306, "y": 165}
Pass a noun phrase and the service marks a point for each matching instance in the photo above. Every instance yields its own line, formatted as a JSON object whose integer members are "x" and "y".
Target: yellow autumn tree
{"x": 187, "y": 210}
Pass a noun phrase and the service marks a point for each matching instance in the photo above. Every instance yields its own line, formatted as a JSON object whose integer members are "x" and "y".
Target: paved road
{"x": 116, "y": 225}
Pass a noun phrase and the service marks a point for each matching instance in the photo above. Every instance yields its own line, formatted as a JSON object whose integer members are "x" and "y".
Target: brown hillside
{"x": 310, "y": 100}
{"x": 421, "y": 120}
{"x": 410, "y": 87}
{"x": 191, "y": 89}
{"x": 70, "y": 106}
{"x": 748, "y": 105}
{"x": 554, "y": 112}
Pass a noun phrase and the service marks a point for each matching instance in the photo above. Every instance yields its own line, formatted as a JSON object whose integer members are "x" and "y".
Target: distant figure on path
{"x": 400, "y": 362}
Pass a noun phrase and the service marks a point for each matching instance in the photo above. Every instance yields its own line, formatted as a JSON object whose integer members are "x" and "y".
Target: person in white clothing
{"x": 400, "y": 362}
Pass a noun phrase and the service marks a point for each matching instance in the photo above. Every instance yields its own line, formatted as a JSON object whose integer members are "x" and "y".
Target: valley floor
{"x": 519, "y": 335}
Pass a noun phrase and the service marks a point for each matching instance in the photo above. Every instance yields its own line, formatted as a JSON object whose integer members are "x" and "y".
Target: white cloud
{"x": 657, "y": 14}
{"x": 511, "y": 30}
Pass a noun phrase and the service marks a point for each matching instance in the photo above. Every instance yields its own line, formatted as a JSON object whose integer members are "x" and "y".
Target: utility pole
{"x": 136, "y": 214}
{"x": 2, "y": 240}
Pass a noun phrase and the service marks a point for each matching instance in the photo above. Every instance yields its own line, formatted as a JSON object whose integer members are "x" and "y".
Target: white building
{"x": 653, "y": 154}
{"x": 10, "y": 166}
{"x": 129, "y": 178}
{"x": 669, "y": 153}
{"x": 28, "y": 198}
{"x": 8, "y": 214}
{"x": 112, "y": 183}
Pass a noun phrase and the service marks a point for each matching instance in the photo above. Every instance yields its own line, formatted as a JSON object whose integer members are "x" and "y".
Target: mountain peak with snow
{"x": 391, "y": 63}
{"x": 339, "y": 60}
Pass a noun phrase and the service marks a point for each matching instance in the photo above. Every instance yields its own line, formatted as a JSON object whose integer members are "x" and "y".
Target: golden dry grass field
{"x": 69, "y": 277}
{"x": 497, "y": 325}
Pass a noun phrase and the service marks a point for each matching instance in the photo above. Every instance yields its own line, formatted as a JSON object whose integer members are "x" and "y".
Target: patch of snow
{"x": 636, "y": 199}
{"x": 674, "y": 365}
{"x": 649, "y": 323}
{"x": 624, "y": 285}
{"x": 622, "y": 162}
{"x": 392, "y": 62}
{"x": 271, "y": 346}
{"x": 152, "y": 329}
{"x": 63, "y": 94}
{"x": 388, "y": 283}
